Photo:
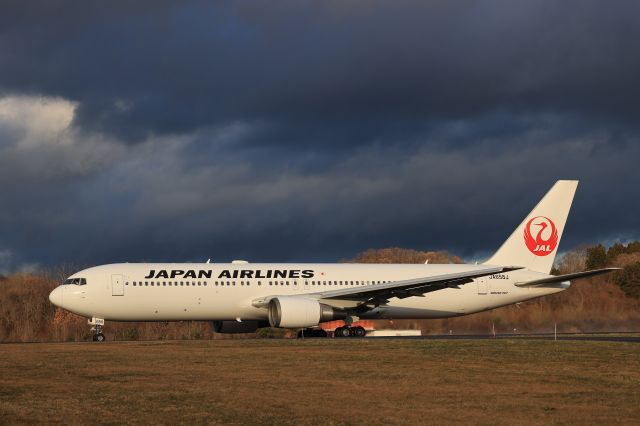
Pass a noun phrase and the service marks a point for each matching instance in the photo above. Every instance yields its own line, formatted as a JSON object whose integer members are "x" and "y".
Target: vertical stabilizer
{"x": 534, "y": 243}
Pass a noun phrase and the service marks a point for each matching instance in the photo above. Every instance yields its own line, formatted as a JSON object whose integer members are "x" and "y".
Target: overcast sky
{"x": 310, "y": 131}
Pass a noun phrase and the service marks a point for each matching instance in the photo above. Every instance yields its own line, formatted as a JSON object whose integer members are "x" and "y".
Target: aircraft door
{"x": 483, "y": 286}
{"x": 117, "y": 285}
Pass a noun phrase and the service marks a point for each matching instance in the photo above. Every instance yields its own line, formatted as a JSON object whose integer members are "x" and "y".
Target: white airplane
{"x": 240, "y": 297}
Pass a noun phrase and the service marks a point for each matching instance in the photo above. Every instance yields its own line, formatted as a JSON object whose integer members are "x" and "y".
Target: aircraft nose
{"x": 55, "y": 296}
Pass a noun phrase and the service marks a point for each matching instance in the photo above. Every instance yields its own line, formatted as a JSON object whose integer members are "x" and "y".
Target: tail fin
{"x": 534, "y": 243}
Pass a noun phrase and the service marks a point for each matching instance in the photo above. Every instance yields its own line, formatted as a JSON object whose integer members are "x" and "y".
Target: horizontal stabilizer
{"x": 566, "y": 277}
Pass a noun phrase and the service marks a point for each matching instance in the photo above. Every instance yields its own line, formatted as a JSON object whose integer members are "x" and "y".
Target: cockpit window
{"x": 75, "y": 281}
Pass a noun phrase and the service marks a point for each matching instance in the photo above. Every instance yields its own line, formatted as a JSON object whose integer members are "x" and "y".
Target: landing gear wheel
{"x": 99, "y": 337}
{"x": 358, "y": 331}
{"x": 343, "y": 332}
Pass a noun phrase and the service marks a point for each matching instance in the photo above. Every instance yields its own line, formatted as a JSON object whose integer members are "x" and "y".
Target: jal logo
{"x": 541, "y": 235}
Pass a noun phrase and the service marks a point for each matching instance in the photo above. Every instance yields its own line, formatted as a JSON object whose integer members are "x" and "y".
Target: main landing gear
{"x": 96, "y": 328}
{"x": 344, "y": 331}
{"x": 350, "y": 332}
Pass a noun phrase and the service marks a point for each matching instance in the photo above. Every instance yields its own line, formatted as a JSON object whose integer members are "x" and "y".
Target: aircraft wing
{"x": 559, "y": 278}
{"x": 378, "y": 294}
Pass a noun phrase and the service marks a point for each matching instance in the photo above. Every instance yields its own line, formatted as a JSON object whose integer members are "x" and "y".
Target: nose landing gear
{"x": 96, "y": 328}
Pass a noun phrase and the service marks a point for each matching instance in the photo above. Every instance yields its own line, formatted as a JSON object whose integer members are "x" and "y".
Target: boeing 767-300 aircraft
{"x": 240, "y": 297}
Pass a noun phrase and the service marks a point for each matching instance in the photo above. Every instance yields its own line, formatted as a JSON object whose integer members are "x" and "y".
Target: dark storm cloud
{"x": 173, "y": 67}
{"x": 309, "y": 131}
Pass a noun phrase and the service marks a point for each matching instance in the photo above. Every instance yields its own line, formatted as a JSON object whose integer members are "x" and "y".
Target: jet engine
{"x": 296, "y": 312}
{"x": 238, "y": 327}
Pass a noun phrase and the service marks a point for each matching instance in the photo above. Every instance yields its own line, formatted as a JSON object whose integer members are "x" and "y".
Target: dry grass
{"x": 321, "y": 381}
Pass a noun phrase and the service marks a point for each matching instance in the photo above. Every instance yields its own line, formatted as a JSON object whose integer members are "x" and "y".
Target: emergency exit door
{"x": 117, "y": 285}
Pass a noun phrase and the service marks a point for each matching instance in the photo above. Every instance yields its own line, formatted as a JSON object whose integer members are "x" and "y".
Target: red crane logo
{"x": 546, "y": 238}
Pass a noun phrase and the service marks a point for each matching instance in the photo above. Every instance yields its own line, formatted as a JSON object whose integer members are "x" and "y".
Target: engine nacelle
{"x": 237, "y": 327}
{"x": 296, "y": 312}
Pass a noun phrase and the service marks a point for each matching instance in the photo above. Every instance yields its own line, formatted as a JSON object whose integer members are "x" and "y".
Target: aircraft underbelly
{"x": 178, "y": 306}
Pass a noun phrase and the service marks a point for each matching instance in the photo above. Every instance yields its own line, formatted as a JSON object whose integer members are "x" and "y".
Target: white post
{"x": 555, "y": 331}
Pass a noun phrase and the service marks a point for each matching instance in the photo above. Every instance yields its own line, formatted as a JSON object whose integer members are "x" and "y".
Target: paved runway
{"x": 632, "y": 337}
{"x": 599, "y": 337}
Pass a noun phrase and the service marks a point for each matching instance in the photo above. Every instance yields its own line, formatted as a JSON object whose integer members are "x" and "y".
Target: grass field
{"x": 321, "y": 381}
